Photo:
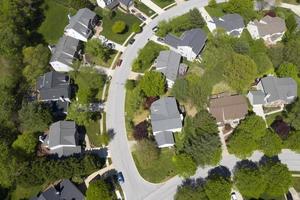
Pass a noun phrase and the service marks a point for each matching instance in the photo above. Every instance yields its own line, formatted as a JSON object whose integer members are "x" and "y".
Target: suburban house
{"x": 189, "y": 45}
{"x": 62, "y": 139}
{"x": 64, "y": 53}
{"x": 270, "y": 29}
{"x": 82, "y": 24}
{"x": 110, "y": 4}
{"x": 228, "y": 109}
{"x": 264, "y": 4}
{"x": 165, "y": 120}
{"x": 54, "y": 87}
{"x": 65, "y": 189}
{"x": 273, "y": 92}
{"x": 233, "y": 24}
{"x": 168, "y": 63}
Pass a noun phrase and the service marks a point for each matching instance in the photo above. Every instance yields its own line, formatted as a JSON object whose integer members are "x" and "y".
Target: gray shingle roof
{"x": 64, "y": 190}
{"x": 63, "y": 133}
{"x": 82, "y": 22}
{"x": 165, "y": 115}
{"x": 163, "y": 138}
{"x": 270, "y": 25}
{"x": 66, "y": 50}
{"x": 279, "y": 88}
{"x": 230, "y": 22}
{"x": 194, "y": 38}
{"x": 168, "y": 63}
{"x": 258, "y": 97}
{"x": 53, "y": 85}
{"x": 126, "y": 2}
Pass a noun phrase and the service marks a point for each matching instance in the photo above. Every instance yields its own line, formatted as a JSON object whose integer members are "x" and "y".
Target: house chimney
{"x": 62, "y": 99}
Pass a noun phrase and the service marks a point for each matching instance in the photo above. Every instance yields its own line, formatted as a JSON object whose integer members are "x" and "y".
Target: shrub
{"x": 119, "y": 27}
{"x": 140, "y": 131}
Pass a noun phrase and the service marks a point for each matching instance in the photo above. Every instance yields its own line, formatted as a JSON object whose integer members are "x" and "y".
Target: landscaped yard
{"x": 216, "y": 11}
{"x": 142, "y": 7}
{"x": 25, "y": 193}
{"x": 56, "y": 18}
{"x": 100, "y": 62}
{"x": 163, "y": 3}
{"x": 160, "y": 170}
{"x": 108, "y": 23}
{"x": 93, "y": 132}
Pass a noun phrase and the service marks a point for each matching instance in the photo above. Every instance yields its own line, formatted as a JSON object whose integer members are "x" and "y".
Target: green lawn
{"x": 108, "y": 23}
{"x": 100, "y": 62}
{"x": 160, "y": 170}
{"x": 163, "y": 3}
{"x": 25, "y": 193}
{"x": 56, "y": 18}
{"x": 296, "y": 184}
{"x": 93, "y": 132}
{"x": 216, "y": 11}
{"x": 142, "y": 7}
{"x": 283, "y": 12}
{"x": 271, "y": 118}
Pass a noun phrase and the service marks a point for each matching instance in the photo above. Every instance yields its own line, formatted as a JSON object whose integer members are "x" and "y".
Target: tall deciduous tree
{"x": 184, "y": 165}
{"x": 293, "y": 141}
{"x": 95, "y": 48}
{"x": 288, "y": 70}
{"x": 153, "y": 83}
{"x": 270, "y": 143}
{"x": 278, "y": 178}
{"x": 242, "y": 7}
{"x": 191, "y": 192}
{"x": 34, "y": 117}
{"x": 250, "y": 181}
{"x": 98, "y": 190}
{"x": 240, "y": 71}
{"x": 218, "y": 187}
{"x": 26, "y": 143}
{"x": 36, "y": 62}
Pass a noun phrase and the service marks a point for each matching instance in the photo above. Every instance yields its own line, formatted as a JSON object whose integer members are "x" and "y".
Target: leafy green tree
{"x": 276, "y": 54}
{"x": 184, "y": 165}
{"x": 293, "y": 141}
{"x": 243, "y": 7}
{"x": 191, "y": 192}
{"x": 136, "y": 28}
{"x": 118, "y": 27}
{"x": 250, "y": 181}
{"x": 293, "y": 115}
{"x": 217, "y": 187}
{"x": 89, "y": 83}
{"x": 212, "y": 3}
{"x": 244, "y": 139}
{"x": 278, "y": 177}
{"x": 153, "y": 83}
{"x": 36, "y": 62}
{"x": 26, "y": 143}
{"x": 130, "y": 84}
{"x": 79, "y": 115}
{"x": 134, "y": 101}
{"x": 291, "y": 51}
{"x": 34, "y": 117}
{"x": 95, "y": 48}
{"x": 98, "y": 190}
{"x": 146, "y": 152}
{"x": 180, "y": 89}
{"x": 270, "y": 143}
{"x": 288, "y": 70}
{"x": 240, "y": 71}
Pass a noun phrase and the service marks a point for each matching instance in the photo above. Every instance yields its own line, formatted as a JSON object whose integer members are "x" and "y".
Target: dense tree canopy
{"x": 89, "y": 84}
{"x": 97, "y": 51}
{"x": 242, "y": 7}
{"x": 98, "y": 190}
{"x": 293, "y": 115}
{"x": 288, "y": 70}
{"x": 218, "y": 187}
{"x": 118, "y": 27}
{"x": 79, "y": 115}
{"x": 243, "y": 140}
{"x": 270, "y": 143}
{"x": 34, "y": 117}
{"x": 293, "y": 141}
{"x": 240, "y": 71}
{"x": 36, "y": 62}
{"x": 185, "y": 165}
{"x": 278, "y": 178}
{"x": 153, "y": 83}
{"x": 250, "y": 181}
{"x": 191, "y": 192}
{"x": 26, "y": 143}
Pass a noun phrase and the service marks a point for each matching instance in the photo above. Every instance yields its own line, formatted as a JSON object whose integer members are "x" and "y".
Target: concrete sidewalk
{"x": 153, "y": 6}
{"x": 294, "y": 8}
{"x": 209, "y": 21}
{"x": 99, "y": 172}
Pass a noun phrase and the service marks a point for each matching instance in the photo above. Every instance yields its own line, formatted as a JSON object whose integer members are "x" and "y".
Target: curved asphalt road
{"x": 135, "y": 187}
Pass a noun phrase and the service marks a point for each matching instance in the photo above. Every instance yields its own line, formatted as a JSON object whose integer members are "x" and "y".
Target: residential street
{"x": 135, "y": 187}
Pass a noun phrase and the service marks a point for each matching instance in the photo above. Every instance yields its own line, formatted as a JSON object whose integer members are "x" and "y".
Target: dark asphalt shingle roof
{"x": 82, "y": 22}
{"x": 230, "y": 22}
{"x": 168, "y": 63}
{"x": 165, "y": 114}
{"x": 65, "y": 50}
{"x": 53, "y": 85}
{"x": 258, "y": 97}
{"x": 163, "y": 138}
{"x": 65, "y": 190}
{"x": 194, "y": 38}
